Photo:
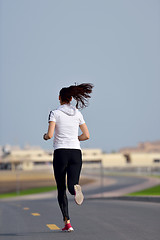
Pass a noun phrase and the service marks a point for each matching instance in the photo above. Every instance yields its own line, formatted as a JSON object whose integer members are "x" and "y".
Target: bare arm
{"x": 50, "y": 132}
{"x": 85, "y": 133}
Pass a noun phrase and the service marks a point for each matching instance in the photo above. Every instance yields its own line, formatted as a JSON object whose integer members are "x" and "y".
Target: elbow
{"x": 87, "y": 136}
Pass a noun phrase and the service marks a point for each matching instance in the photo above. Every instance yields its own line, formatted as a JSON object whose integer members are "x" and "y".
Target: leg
{"x": 60, "y": 168}
{"x": 74, "y": 169}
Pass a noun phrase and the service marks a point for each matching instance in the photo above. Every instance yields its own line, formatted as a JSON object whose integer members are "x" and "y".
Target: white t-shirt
{"x": 67, "y": 119}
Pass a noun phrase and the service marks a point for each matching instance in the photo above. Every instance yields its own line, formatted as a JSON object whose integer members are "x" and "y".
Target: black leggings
{"x": 66, "y": 162}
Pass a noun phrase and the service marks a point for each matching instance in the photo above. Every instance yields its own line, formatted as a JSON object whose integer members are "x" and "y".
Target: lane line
{"x": 52, "y": 226}
{"x": 35, "y": 214}
{"x": 25, "y": 208}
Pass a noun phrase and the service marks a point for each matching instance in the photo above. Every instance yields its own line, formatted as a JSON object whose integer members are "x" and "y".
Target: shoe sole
{"x": 69, "y": 230}
{"x": 78, "y": 194}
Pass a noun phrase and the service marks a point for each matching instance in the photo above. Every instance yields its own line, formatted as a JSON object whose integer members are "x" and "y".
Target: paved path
{"x": 109, "y": 186}
{"x": 95, "y": 219}
{"x": 121, "y": 185}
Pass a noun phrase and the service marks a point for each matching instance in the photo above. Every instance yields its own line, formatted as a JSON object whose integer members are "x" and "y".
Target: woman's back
{"x": 67, "y": 119}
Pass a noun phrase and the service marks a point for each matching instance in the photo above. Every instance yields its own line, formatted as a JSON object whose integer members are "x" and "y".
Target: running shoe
{"x": 68, "y": 228}
{"x": 78, "y": 197}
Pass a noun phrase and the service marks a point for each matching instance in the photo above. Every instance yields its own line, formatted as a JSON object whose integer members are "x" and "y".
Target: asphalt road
{"x": 121, "y": 182}
{"x": 94, "y": 219}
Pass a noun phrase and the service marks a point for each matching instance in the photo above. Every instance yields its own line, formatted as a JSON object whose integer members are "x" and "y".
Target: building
{"x": 144, "y": 147}
{"x": 26, "y": 159}
{"x": 39, "y": 159}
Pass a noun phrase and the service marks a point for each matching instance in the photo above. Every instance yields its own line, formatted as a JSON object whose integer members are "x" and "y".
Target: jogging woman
{"x": 66, "y": 120}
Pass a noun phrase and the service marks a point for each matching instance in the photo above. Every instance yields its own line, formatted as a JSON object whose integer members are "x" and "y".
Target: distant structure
{"x": 144, "y": 147}
{"x": 34, "y": 158}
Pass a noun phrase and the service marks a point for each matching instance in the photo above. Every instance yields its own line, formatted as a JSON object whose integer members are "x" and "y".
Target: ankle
{"x": 66, "y": 222}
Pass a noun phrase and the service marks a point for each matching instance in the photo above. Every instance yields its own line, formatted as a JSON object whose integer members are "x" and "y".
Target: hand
{"x": 44, "y": 137}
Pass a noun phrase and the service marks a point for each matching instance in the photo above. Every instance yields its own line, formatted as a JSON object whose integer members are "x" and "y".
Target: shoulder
{"x": 80, "y": 117}
{"x": 55, "y": 111}
{"x": 52, "y": 115}
{"x": 78, "y": 112}
{"x": 52, "y": 112}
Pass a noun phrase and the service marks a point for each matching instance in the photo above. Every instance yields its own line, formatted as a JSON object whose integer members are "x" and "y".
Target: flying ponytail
{"x": 80, "y": 93}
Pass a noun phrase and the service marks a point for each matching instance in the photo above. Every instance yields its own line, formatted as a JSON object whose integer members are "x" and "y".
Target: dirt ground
{"x": 10, "y": 181}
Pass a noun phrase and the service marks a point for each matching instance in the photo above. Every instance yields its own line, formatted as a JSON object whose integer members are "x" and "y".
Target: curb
{"x": 129, "y": 198}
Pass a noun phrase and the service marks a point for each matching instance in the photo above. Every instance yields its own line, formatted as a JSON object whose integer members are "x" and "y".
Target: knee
{"x": 61, "y": 196}
{"x": 71, "y": 189}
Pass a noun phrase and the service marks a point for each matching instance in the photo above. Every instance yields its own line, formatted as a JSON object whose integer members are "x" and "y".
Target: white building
{"x": 29, "y": 159}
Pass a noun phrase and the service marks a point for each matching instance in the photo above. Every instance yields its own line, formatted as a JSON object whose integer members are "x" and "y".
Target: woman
{"x": 66, "y": 121}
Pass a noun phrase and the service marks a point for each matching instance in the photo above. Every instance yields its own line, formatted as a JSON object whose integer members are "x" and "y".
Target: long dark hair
{"x": 80, "y": 93}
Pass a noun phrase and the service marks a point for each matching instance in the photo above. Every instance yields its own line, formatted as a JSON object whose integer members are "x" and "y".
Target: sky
{"x": 49, "y": 44}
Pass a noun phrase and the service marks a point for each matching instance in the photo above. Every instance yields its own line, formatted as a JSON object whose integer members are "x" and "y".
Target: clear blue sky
{"x": 48, "y": 44}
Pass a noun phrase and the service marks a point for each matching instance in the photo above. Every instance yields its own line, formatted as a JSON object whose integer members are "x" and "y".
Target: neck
{"x": 62, "y": 103}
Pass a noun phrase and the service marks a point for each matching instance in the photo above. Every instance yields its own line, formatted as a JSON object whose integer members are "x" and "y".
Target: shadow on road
{"x": 29, "y": 233}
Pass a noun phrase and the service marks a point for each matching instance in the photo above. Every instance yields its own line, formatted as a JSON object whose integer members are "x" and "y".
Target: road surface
{"x": 40, "y": 219}
{"x": 95, "y": 219}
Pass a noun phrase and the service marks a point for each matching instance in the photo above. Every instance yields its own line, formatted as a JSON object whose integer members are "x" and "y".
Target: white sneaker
{"x": 78, "y": 194}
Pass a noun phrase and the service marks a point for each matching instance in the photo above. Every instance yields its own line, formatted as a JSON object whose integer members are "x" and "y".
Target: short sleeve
{"x": 51, "y": 117}
{"x": 81, "y": 119}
